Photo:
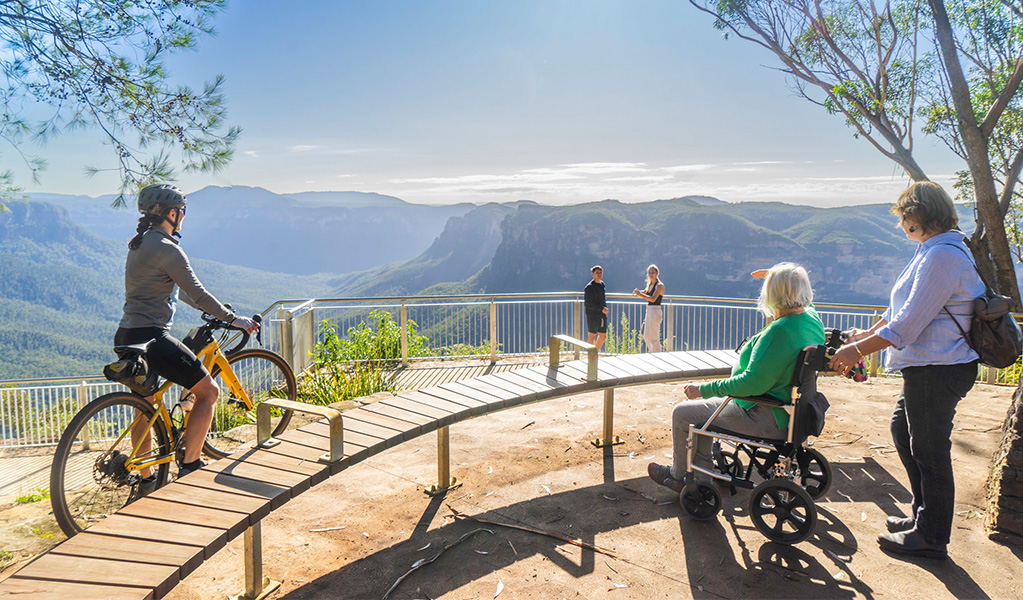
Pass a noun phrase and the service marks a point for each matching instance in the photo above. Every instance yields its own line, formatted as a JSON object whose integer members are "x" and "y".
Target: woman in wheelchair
{"x": 765, "y": 368}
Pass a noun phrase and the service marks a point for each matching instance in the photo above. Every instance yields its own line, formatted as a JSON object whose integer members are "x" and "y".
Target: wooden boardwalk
{"x": 146, "y": 548}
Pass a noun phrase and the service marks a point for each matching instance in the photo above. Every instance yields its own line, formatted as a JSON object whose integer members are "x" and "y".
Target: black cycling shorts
{"x": 167, "y": 356}
{"x": 596, "y": 323}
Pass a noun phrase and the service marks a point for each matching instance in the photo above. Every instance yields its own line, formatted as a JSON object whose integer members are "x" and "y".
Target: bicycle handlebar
{"x": 213, "y": 324}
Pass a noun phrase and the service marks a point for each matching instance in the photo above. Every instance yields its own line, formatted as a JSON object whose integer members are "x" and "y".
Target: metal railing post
{"x": 403, "y": 319}
{"x": 82, "y": 401}
{"x": 609, "y": 439}
{"x": 445, "y": 481}
{"x": 493, "y": 331}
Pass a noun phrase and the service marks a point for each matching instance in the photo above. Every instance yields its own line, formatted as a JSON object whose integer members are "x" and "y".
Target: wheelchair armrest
{"x": 762, "y": 400}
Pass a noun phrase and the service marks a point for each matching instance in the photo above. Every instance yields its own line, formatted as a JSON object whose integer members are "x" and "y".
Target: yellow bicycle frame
{"x": 210, "y": 356}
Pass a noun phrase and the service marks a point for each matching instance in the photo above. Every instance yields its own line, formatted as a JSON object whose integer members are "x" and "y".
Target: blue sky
{"x": 558, "y": 102}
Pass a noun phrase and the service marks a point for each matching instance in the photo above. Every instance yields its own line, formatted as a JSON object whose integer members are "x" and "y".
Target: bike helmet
{"x": 157, "y": 199}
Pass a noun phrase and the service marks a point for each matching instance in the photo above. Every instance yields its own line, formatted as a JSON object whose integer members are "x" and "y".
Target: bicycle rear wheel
{"x": 263, "y": 375}
{"x": 89, "y": 479}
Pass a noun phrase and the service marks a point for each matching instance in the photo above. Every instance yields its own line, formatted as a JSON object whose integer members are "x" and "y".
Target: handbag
{"x": 994, "y": 333}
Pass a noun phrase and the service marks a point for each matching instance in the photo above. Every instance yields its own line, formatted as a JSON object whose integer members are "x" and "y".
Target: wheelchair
{"x": 793, "y": 475}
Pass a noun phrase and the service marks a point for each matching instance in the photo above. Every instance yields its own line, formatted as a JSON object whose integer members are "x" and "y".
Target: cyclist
{"x": 156, "y": 268}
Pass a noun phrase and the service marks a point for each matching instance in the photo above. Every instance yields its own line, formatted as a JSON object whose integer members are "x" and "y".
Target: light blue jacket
{"x": 940, "y": 275}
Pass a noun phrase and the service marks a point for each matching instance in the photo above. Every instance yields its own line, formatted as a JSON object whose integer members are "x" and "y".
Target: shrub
{"x": 379, "y": 339}
{"x": 628, "y": 341}
{"x": 37, "y": 495}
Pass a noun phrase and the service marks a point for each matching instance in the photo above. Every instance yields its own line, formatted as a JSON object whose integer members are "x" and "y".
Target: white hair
{"x": 786, "y": 286}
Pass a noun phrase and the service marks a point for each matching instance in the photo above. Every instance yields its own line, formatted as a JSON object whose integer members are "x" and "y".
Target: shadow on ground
{"x": 728, "y": 546}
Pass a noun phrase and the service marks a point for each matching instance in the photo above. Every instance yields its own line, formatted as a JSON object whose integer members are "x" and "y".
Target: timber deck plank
{"x": 157, "y": 578}
{"x": 233, "y": 523}
{"x": 29, "y": 589}
{"x": 95, "y": 545}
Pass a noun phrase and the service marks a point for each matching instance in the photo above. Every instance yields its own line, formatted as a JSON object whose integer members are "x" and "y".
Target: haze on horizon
{"x": 559, "y": 102}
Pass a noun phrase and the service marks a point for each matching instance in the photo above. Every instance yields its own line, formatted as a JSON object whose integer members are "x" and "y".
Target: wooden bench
{"x": 146, "y": 548}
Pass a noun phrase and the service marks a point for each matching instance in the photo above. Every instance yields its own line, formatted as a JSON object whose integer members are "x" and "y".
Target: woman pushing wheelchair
{"x": 936, "y": 289}
{"x": 765, "y": 368}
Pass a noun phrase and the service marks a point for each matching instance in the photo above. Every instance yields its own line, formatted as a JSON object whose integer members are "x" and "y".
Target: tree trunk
{"x": 976, "y": 144}
{"x": 1004, "y": 521}
{"x": 1005, "y": 485}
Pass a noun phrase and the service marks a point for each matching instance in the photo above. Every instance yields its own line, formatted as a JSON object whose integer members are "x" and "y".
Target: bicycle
{"x": 97, "y": 468}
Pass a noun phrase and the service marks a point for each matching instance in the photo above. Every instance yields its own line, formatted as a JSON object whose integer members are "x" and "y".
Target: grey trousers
{"x": 758, "y": 422}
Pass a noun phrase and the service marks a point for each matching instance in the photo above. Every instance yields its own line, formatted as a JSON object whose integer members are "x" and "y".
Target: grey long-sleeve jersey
{"x": 153, "y": 273}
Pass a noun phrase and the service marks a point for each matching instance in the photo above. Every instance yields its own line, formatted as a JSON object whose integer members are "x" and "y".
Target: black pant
{"x": 922, "y": 432}
{"x": 166, "y": 355}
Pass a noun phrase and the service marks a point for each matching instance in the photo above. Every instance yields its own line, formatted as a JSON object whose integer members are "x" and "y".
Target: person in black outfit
{"x": 595, "y": 301}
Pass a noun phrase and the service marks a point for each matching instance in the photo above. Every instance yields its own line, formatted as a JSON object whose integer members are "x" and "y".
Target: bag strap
{"x": 960, "y": 328}
{"x": 986, "y": 286}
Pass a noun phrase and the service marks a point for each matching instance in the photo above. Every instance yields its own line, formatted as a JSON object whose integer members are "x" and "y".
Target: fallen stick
{"x": 425, "y": 561}
{"x": 574, "y": 542}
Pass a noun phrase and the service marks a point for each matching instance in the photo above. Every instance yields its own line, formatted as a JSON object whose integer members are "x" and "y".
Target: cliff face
{"x": 466, "y": 245}
{"x": 700, "y": 250}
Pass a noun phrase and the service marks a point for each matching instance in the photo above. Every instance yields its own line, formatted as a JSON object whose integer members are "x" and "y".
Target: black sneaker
{"x": 143, "y": 488}
{"x": 187, "y": 468}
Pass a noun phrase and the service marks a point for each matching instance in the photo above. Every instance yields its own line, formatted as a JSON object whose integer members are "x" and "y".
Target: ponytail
{"x": 145, "y": 222}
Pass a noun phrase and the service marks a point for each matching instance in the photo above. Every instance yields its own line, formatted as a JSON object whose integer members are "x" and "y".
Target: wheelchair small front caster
{"x": 701, "y": 500}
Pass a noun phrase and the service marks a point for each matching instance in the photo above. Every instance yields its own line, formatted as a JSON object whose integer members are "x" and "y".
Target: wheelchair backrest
{"x": 808, "y": 416}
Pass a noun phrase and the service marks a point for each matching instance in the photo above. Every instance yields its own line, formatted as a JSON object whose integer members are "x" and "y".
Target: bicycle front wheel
{"x": 263, "y": 375}
{"x": 90, "y": 478}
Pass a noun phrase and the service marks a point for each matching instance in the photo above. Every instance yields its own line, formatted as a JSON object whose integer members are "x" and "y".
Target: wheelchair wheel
{"x": 731, "y": 464}
{"x": 702, "y": 501}
{"x": 783, "y": 511}
{"x": 814, "y": 472}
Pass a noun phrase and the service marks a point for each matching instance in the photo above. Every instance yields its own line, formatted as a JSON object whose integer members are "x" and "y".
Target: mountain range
{"x": 62, "y": 257}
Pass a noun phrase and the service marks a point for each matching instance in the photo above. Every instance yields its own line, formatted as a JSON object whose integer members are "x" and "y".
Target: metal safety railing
{"x": 35, "y": 412}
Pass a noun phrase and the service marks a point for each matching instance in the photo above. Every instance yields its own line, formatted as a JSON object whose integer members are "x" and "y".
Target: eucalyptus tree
{"x": 949, "y": 69}
{"x": 905, "y": 67}
{"x": 101, "y": 64}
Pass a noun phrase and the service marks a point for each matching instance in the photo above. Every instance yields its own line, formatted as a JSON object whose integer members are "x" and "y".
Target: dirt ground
{"x": 534, "y": 467}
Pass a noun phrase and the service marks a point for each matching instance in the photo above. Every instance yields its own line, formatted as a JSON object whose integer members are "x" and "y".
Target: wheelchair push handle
{"x": 835, "y": 339}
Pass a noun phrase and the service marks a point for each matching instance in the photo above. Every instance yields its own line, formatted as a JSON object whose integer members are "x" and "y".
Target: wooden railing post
{"x": 82, "y": 401}
{"x": 257, "y": 587}
{"x": 493, "y": 331}
{"x": 609, "y": 439}
{"x": 287, "y": 336}
{"x": 875, "y": 358}
{"x": 445, "y": 481}
{"x": 577, "y": 311}
{"x": 403, "y": 318}
{"x": 669, "y": 324}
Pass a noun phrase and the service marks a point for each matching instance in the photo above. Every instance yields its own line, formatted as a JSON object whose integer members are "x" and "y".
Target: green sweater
{"x": 767, "y": 361}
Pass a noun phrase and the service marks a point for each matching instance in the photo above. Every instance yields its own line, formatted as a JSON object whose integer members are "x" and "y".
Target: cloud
{"x": 251, "y": 153}
{"x": 600, "y": 168}
{"x": 303, "y": 148}
{"x": 688, "y": 168}
{"x": 642, "y": 178}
